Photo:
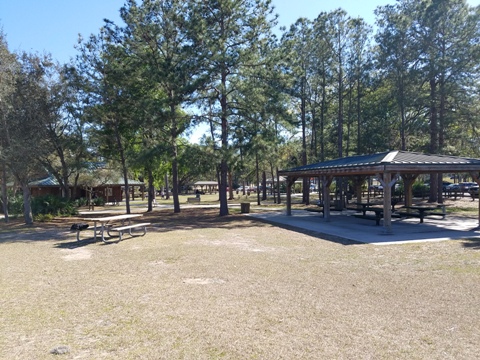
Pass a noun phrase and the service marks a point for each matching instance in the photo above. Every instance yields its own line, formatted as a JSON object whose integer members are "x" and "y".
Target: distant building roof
{"x": 51, "y": 181}
{"x": 48, "y": 181}
{"x": 206, "y": 183}
{"x": 119, "y": 181}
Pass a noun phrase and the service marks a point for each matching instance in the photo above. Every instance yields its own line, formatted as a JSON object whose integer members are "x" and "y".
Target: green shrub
{"x": 398, "y": 190}
{"x": 81, "y": 202}
{"x": 43, "y": 207}
{"x": 99, "y": 201}
{"x": 420, "y": 186}
{"x": 53, "y": 205}
{"x": 43, "y": 217}
{"x": 15, "y": 204}
{"x": 419, "y": 189}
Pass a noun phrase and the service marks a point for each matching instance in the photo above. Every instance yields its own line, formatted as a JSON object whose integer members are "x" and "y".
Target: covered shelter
{"x": 388, "y": 167}
{"x": 210, "y": 186}
{"x": 112, "y": 190}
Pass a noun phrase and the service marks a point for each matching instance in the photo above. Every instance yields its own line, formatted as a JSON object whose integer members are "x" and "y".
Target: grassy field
{"x": 198, "y": 286}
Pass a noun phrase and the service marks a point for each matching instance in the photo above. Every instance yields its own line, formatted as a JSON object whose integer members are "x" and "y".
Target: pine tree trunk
{"x": 4, "y": 192}
{"x": 27, "y": 205}
{"x": 167, "y": 187}
{"x": 223, "y": 164}
{"x": 151, "y": 190}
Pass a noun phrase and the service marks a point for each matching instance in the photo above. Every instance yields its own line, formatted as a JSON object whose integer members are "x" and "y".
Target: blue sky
{"x": 52, "y": 26}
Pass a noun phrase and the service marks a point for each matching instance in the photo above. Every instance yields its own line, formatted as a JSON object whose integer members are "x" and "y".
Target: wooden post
{"x": 290, "y": 183}
{"x": 326, "y": 182}
{"x": 476, "y": 178}
{"x": 357, "y": 184}
{"x": 387, "y": 202}
{"x": 289, "y": 198}
{"x": 408, "y": 180}
{"x": 387, "y": 183}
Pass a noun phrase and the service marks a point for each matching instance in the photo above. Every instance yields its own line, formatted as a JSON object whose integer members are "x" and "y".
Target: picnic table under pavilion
{"x": 388, "y": 167}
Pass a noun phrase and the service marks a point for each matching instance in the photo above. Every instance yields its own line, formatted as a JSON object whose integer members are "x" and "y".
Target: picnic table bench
{"x": 361, "y": 206}
{"x": 108, "y": 223}
{"x": 321, "y": 205}
{"x": 364, "y": 207}
{"x": 440, "y": 210}
{"x": 420, "y": 211}
{"x": 120, "y": 229}
{"x": 193, "y": 200}
{"x": 377, "y": 217}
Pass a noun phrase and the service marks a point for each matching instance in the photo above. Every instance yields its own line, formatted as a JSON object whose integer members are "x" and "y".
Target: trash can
{"x": 244, "y": 208}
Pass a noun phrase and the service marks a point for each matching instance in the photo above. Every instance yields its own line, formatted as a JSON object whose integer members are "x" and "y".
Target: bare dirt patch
{"x": 198, "y": 286}
{"x": 76, "y": 254}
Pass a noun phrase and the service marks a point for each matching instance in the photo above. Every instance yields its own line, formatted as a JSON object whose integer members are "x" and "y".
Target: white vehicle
{"x": 247, "y": 188}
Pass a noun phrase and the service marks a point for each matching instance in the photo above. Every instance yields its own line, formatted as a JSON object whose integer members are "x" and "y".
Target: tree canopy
{"x": 272, "y": 98}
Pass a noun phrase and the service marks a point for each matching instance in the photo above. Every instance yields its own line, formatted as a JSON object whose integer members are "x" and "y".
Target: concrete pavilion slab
{"x": 346, "y": 228}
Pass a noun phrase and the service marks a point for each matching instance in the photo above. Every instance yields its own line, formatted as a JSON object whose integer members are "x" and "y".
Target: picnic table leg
{"x": 120, "y": 232}
{"x": 94, "y": 231}
{"x": 102, "y": 230}
{"x": 108, "y": 229}
{"x": 129, "y": 230}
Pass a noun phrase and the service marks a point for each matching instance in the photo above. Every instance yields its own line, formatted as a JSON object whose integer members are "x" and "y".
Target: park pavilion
{"x": 388, "y": 167}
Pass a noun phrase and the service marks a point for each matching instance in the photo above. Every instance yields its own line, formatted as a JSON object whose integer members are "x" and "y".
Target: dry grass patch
{"x": 198, "y": 286}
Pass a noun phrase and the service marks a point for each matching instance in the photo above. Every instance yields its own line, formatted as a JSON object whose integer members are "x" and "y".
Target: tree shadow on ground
{"x": 471, "y": 244}
{"x": 77, "y": 244}
{"x": 162, "y": 222}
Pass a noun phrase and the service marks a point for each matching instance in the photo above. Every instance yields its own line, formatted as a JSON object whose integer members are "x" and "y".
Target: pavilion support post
{"x": 476, "y": 178}
{"x": 387, "y": 202}
{"x": 408, "y": 180}
{"x": 326, "y": 182}
{"x": 387, "y": 183}
{"x": 358, "y": 181}
{"x": 290, "y": 183}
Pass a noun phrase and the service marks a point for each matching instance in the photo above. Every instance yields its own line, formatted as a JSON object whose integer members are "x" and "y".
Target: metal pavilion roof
{"x": 390, "y": 161}
{"x": 48, "y": 181}
{"x": 51, "y": 181}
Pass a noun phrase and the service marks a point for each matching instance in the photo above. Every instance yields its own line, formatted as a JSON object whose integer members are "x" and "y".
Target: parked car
{"x": 465, "y": 186}
{"x": 473, "y": 191}
{"x": 445, "y": 185}
{"x": 453, "y": 187}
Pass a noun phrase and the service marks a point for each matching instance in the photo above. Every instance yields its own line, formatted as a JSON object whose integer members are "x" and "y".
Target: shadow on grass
{"x": 471, "y": 244}
{"x": 162, "y": 222}
{"x": 76, "y": 244}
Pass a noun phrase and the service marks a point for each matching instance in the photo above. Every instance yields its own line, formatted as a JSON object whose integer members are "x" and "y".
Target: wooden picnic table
{"x": 106, "y": 221}
{"x": 378, "y": 213}
{"x": 420, "y": 211}
{"x": 362, "y": 206}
